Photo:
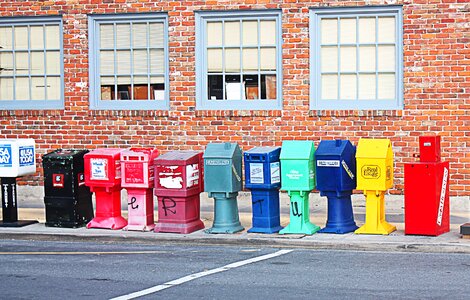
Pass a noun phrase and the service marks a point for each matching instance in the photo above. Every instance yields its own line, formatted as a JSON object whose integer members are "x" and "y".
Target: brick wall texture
{"x": 436, "y": 87}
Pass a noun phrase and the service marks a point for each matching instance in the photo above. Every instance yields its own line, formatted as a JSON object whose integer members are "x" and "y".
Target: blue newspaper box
{"x": 263, "y": 178}
{"x": 336, "y": 179}
{"x": 336, "y": 166}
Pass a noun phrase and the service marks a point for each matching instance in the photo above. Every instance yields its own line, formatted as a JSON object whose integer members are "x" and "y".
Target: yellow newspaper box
{"x": 374, "y": 161}
{"x": 374, "y": 158}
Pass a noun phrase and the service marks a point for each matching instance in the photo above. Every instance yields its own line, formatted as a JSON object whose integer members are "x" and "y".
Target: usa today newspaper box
{"x": 263, "y": 178}
{"x": 17, "y": 158}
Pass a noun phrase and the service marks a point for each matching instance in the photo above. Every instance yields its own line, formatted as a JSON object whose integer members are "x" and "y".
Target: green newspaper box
{"x": 297, "y": 166}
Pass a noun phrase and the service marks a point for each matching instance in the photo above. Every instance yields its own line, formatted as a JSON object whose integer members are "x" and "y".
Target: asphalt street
{"x": 77, "y": 270}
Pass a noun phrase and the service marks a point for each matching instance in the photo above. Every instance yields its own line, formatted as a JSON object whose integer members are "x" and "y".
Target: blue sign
{"x": 5, "y": 156}
{"x": 26, "y": 156}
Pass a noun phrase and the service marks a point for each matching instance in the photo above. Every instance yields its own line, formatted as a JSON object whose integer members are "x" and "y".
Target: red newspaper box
{"x": 137, "y": 165}
{"x": 103, "y": 176}
{"x": 178, "y": 183}
{"x": 427, "y": 193}
{"x": 430, "y": 148}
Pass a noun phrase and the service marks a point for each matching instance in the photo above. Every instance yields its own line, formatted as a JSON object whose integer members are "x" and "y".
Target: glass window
{"x": 356, "y": 58}
{"x": 129, "y": 59}
{"x": 31, "y": 63}
{"x": 238, "y": 60}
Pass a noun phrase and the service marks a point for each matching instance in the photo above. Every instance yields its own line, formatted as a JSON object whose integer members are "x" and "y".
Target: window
{"x": 31, "y": 65}
{"x": 128, "y": 61}
{"x": 356, "y": 58}
{"x": 238, "y": 60}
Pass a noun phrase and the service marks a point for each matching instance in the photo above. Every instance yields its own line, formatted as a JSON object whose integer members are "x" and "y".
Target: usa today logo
{"x": 5, "y": 156}
{"x": 26, "y": 156}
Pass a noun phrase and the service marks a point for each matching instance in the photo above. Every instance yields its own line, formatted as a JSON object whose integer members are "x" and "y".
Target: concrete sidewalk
{"x": 32, "y": 207}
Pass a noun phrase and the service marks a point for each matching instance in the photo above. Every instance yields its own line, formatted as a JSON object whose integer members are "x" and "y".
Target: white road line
{"x": 199, "y": 275}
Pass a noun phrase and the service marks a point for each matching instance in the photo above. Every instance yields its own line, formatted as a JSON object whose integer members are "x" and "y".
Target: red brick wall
{"x": 436, "y": 87}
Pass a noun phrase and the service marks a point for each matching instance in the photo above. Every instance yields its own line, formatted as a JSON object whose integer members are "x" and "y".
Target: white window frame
{"x": 96, "y": 103}
{"x": 316, "y": 15}
{"x": 202, "y": 101}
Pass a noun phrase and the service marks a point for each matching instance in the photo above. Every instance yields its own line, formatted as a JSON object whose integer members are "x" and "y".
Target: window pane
{"x": 139, "y": 35}
{"x": 53, "y": 88}
{"x": 348, "y": 59}
{"x": 215, "y": 87}
{"x": 53, "y": 62}
{"x": 235, "y": 90}
{"x": 158, "y": 89}
{"x": 38, "y": 89}
{"x": 6, "y": 88}
{"x": 232, "y": 60}
{"x": 268, "y": 59}
{"x": 214, "y": 34}
{"x": 367, "y": 86}
{"x": 156, "y": 61}
{"x": 250, "y": 59}
{"x": 6, "y": 38}
{"x": 141, "y": 80}
{"x": 386, "y": 86}
{"x": 37, "y": 63}
{"x": 52, "y": 37}
{"x": 250, "y": 33}
{"x": 232, "y": 33}
{"x": 107, "y": 36}
{"x": 6, "y": 63}
{"x": 329, "y": 31}
{"x": 386, "y": 29}
{"x": 329, "y": 87}
{"x": 251, "y": 87}
{"x": 214, "y": 60}
{"x": 22, "y": 88}
{"x": 140, "y": 61}
{"x": 386, "y": 59}
{"x": 107, "y": 91}
{"x": 157, "y": 79}
{"x": 123, "y": 62}
{"x": 366, "y": 30}
{"x": 37, "y": 37}
{"x": 348, "y": 87}
{"x": 21, "y": 37}
{"x": 21, "y": 61}
{"x": 106, "y": 62}
{"x": 348, "y": 31}
{"x": 123, "y": 33}
{"x": 157, "y": 35}
{"x": 268, "y": 32}
{"x": 270, "y": 86}
{"x": 367, "y": 59}
{"x": 329, "y": 59}
{"x": 107, "y": 80}
{"x": 141, "y": 89}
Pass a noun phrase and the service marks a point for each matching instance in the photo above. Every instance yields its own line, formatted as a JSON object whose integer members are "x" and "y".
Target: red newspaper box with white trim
{"x": 137, "y": 165}
{"x": 427, "y": 192}
{"x": 103, "y": 176}
{"x": 178, "y": 183}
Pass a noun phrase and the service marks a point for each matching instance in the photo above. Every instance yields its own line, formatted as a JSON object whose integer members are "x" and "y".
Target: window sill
{"x": 356, "y": 113}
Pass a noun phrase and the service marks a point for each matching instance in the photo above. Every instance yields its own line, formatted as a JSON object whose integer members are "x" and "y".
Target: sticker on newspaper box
{"x": 256, "y": 173}
{"x": 99, "y": 169}
{"x": 192, "y": 175}
{"x": 275, "y": 173}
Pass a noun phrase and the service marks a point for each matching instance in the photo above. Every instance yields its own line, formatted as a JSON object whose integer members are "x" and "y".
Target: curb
{"x": 391, "y": 243}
